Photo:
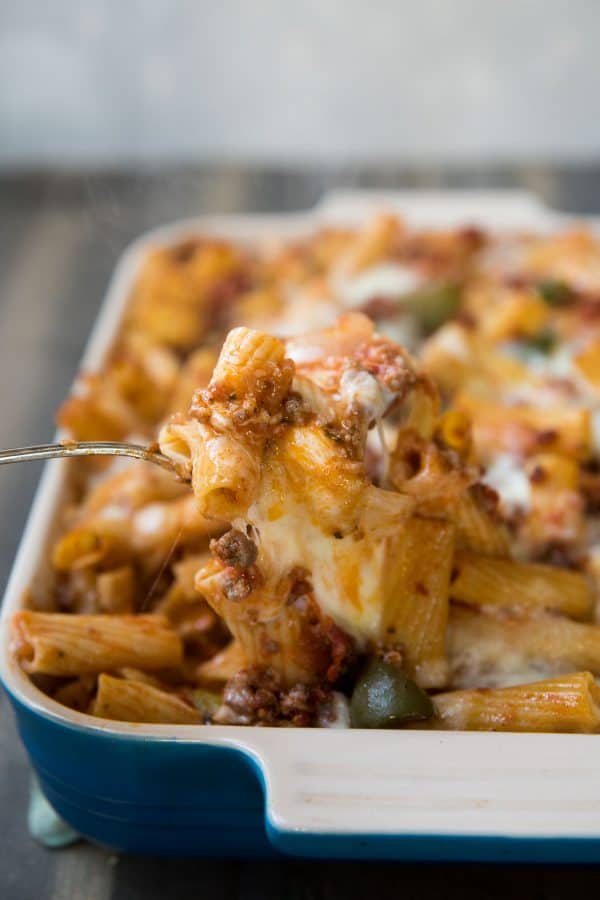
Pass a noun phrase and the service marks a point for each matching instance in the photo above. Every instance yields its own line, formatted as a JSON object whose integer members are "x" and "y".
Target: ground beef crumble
{"x": 294, "y": 410}
{"x": 487, "y": 497}
{"x": 238, "y": 584}
{"x": 256, "y": 696}
{"x": 386, "y": 362}
{"x": 234, "y": 549}
{"x": 348, "y": 434}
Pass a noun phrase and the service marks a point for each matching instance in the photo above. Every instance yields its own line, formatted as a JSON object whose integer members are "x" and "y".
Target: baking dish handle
{"x": 400, "y": 794}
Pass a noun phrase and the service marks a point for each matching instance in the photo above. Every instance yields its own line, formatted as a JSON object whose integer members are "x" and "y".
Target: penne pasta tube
{"x": 568, "y": 704}
{"x": 135, "y": 701}
{"x": 341, "y": 339}
{"x": 64, "y": 645}
{"x": 176, "y": 325}
{"x": 484, "y": 582}
{"x": 182, "y": 594}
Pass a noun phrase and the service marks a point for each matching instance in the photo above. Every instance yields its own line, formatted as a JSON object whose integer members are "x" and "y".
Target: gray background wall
{"x": 108, "y": 81}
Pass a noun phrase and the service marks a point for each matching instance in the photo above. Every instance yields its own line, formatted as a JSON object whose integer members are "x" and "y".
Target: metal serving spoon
{"x": 86, "y": 448}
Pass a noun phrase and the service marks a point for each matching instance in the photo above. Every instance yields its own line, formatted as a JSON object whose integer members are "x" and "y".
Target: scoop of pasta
{"x": 326, "y": 457}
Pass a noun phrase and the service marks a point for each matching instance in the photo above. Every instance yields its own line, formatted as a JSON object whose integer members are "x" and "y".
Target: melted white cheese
{"x": 335, "y": 713}
{"x": 303, "y": 314}
{"x": 402, "y": 329}
{"x": 506, "y": 476}
{"x": 389, "y": 280}
{"x": 150, "y": 519}
{"x": 114, "y": 512}
{"x": 547, "y": 365}
{"x": 361, "y": 389}
{"x": 292, "y": 538}
{"x": 451, "y": 339}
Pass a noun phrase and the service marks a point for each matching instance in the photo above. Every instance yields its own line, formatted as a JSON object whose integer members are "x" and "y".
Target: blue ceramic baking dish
{"x": 262, "y": 792}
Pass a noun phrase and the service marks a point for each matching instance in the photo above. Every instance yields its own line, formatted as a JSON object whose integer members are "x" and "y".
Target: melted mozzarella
{"x": 547, "y": 365}
{"x": 507, "y": 477}
{"x": 115, "y": 512}
{"x": 385, "y": 280}
{"x": 451, "y": 339}
{"x": 335, "y": 713}
{"x": 361, "y": 389}
{"x": 150, "y": 519}
{"x": 301, "y": 315}
{"x": 346, "y": 578}
{"x": 403, "y": 330}
{"x": 488, "y": 663}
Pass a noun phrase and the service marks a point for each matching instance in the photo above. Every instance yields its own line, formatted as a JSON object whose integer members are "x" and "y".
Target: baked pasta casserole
{"x": 387, "y": 509}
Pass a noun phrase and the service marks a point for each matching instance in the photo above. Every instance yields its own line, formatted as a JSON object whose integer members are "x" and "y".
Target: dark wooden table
{"x": 60, "y": 237}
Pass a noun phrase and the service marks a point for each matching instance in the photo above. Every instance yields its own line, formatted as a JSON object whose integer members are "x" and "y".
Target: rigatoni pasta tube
{"x": 252, "y": 363}
{"x": 225, "y": 473}
{"x": 135, "y": 701}
{"x": 63, "y": 644}
{"x": 436, "y": 486}
{"x": 481, "y": 581}
{"x": 486, "y": 651}
{"x": 567, "y": 704}
{"x": 310, "y": 468}
{"x": 275, "y": 631}
{"x": 370, "y": 244}
{"x": 224, "y": 664}
{"x": 527, "y": 429}
{"x": 587, "y": 363}
{"x": 556, "y": 511}
{"x": 116, "y": 590}
{"x": 476, "y": 528}
{"x": 415, "y": 592}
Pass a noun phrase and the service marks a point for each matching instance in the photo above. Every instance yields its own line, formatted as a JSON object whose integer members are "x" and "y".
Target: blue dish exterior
{"x": 169, "y": 797}
{"x": 141, "y": 795}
